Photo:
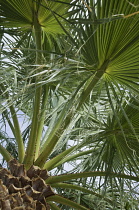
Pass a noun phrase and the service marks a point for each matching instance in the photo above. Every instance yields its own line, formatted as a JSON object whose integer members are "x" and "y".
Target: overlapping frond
{"x": 88, "y": 100}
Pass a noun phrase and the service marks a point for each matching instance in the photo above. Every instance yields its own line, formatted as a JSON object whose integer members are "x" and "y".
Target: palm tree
{"x": 71, "y": 69}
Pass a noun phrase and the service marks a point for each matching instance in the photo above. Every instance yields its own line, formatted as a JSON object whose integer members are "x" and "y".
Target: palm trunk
{"x": 21, "y": 189}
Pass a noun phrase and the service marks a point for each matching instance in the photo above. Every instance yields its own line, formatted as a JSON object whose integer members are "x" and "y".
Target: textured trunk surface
{"x": 21, "y": 189}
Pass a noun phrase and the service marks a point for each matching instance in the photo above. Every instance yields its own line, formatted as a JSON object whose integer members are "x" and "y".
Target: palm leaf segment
{"x": 122, "y": 52}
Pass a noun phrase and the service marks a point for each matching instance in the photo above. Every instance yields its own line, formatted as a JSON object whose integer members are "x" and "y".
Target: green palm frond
{"x": 22, "y": 14}
{"x": 113, "y": 42}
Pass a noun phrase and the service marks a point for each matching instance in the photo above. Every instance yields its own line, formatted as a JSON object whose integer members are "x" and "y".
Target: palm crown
{"x": 72, "y": 68}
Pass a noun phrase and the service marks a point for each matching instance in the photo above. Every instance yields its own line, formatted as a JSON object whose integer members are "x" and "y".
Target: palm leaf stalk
{"x": 7, "y": 156}
{"x": 18, "y": 134}
{"x": 33, "y": 144}
{"x": 65, "y": 201}
{"x": 66, "y": 177}
{"x": 16, "y": 128}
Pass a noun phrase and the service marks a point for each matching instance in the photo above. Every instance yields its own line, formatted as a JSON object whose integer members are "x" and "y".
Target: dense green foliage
{"x": 72, "y": 69}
